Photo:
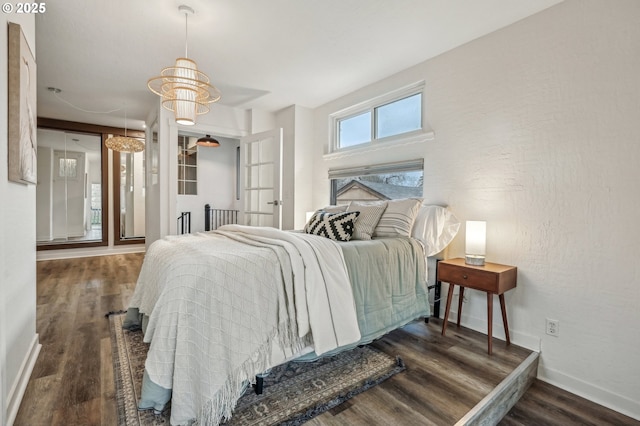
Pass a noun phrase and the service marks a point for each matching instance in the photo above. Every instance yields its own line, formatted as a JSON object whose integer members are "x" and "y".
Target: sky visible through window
{"x": 394, "y": 118}
{"x": 399, "y": 117}
{"x": 355, "y": 130}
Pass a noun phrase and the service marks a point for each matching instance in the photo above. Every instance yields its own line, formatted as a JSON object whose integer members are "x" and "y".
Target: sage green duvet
{"x": 388, "y": 278}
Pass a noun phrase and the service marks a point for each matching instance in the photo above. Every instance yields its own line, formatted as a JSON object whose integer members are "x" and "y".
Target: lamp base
{"x": 474, "y": 259}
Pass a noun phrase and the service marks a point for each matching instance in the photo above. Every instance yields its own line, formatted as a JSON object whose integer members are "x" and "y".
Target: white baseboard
{"x": 571, "y": 384}
{"x": 589, "y": 391}
{"x": 20, "y": 385}
{"x": 527, "y": 341}
{"x": 88, "y": 252}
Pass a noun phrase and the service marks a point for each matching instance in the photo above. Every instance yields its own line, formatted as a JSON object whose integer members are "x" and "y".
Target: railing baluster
{"x": 215, "y": 218}
{"x": 184, "y": 223}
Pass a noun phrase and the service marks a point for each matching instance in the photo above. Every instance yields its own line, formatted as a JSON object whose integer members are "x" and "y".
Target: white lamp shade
{"x": 185, "y": 92}
{"x": 476, "y": 238}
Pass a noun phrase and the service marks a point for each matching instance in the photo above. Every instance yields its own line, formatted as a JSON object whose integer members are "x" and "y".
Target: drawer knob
{"x": 464, "y": 276}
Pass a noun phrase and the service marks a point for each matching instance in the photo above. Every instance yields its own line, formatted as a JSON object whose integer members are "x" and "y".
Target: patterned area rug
{"x": 294, "y": 392}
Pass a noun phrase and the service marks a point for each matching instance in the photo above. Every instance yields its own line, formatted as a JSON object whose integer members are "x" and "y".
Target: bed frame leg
{"x": 259, "y": 386}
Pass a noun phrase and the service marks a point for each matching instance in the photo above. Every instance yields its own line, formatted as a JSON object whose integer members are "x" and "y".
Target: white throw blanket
{"x": 220, "y": 303}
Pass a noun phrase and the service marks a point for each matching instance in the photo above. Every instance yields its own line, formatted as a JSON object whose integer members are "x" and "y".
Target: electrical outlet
{"x": 553, "y": 327}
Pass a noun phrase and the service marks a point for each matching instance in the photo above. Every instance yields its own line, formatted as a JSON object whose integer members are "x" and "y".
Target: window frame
{"x": 370, "y": 106}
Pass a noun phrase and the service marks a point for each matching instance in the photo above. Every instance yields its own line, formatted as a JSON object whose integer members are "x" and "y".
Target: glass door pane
{"x": 69, "y": 189}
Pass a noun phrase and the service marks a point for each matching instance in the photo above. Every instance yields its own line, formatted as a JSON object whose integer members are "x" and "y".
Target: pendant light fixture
{"x": 208, "y": 141}
{"x": 184, "y": 90}
{"x": 124, "y": 143}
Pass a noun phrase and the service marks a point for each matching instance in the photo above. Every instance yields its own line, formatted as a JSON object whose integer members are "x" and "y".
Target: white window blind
{"x": 377, "y": 169}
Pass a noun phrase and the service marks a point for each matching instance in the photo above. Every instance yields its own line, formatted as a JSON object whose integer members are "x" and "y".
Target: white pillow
{"x": 397, "y": 220}
{"x": 435, "y": 227}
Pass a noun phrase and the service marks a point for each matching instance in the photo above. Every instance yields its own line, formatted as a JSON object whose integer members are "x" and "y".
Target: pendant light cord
{"x": 186, "y": 35}
{"x": 82, "y": 109}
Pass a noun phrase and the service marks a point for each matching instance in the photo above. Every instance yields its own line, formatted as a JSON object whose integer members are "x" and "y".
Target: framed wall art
{"x": 22, "y": 109}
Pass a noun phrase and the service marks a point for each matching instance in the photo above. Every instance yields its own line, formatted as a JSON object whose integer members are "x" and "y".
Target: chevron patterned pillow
{"x": 336, "y": 226}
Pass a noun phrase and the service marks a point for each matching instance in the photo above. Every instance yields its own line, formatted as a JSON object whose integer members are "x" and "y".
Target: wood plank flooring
{"x": 545, "y": 404}
{"x": 72, "y": 383}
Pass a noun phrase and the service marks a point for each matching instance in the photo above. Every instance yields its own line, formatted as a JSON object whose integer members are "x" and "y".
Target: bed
{"x": 221, "y": 307}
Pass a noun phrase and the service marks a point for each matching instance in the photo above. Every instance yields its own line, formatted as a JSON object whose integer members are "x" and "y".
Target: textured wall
{"x": 537, "y": 133}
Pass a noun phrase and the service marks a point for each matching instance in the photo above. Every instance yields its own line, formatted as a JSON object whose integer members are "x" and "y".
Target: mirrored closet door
{"x": 70, "y": 200}
{"x": 74, "y": 187}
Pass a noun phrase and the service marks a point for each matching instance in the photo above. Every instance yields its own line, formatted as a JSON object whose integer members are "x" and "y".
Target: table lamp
{"x": 476, "y": 241}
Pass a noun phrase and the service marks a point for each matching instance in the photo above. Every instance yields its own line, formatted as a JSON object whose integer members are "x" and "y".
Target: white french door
{"x": 261, "y": 178}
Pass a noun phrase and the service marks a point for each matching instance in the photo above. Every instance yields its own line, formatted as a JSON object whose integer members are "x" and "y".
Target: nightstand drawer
{"x": 467, "y": 277}
{"x": 492, "y": 277}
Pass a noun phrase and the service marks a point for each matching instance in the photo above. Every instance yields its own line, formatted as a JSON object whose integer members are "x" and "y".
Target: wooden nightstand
{"x": 492, "y": 278}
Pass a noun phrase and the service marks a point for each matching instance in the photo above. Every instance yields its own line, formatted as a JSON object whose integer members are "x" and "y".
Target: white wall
{"x": 260, "y": 121}
{"x": 536, "y": 131}
{"x": 18, "y": 339}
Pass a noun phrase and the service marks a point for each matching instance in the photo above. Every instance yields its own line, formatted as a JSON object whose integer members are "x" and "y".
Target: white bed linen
{"x": 220, "y": 310}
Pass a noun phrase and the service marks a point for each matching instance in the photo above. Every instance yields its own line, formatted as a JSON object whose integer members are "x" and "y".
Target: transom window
{"x": 384, "y": 118}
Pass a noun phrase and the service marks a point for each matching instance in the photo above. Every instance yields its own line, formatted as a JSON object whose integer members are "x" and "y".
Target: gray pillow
{"x": 397, "y": 219}
{"x": 370, "y": 213}
{"x": 335, "y": 209}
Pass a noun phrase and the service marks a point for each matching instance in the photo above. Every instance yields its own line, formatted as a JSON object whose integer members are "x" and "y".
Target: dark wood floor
{"x": 72, "y": 383}
{"x": 545, "y": 404}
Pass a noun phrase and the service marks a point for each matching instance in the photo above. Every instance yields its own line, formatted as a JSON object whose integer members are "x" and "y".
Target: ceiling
{"x": 265, "y": 54}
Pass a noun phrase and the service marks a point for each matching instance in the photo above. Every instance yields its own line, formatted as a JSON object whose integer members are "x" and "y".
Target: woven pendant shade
{"x": 124, "y": 144}
{"x": 183, "y": 88}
